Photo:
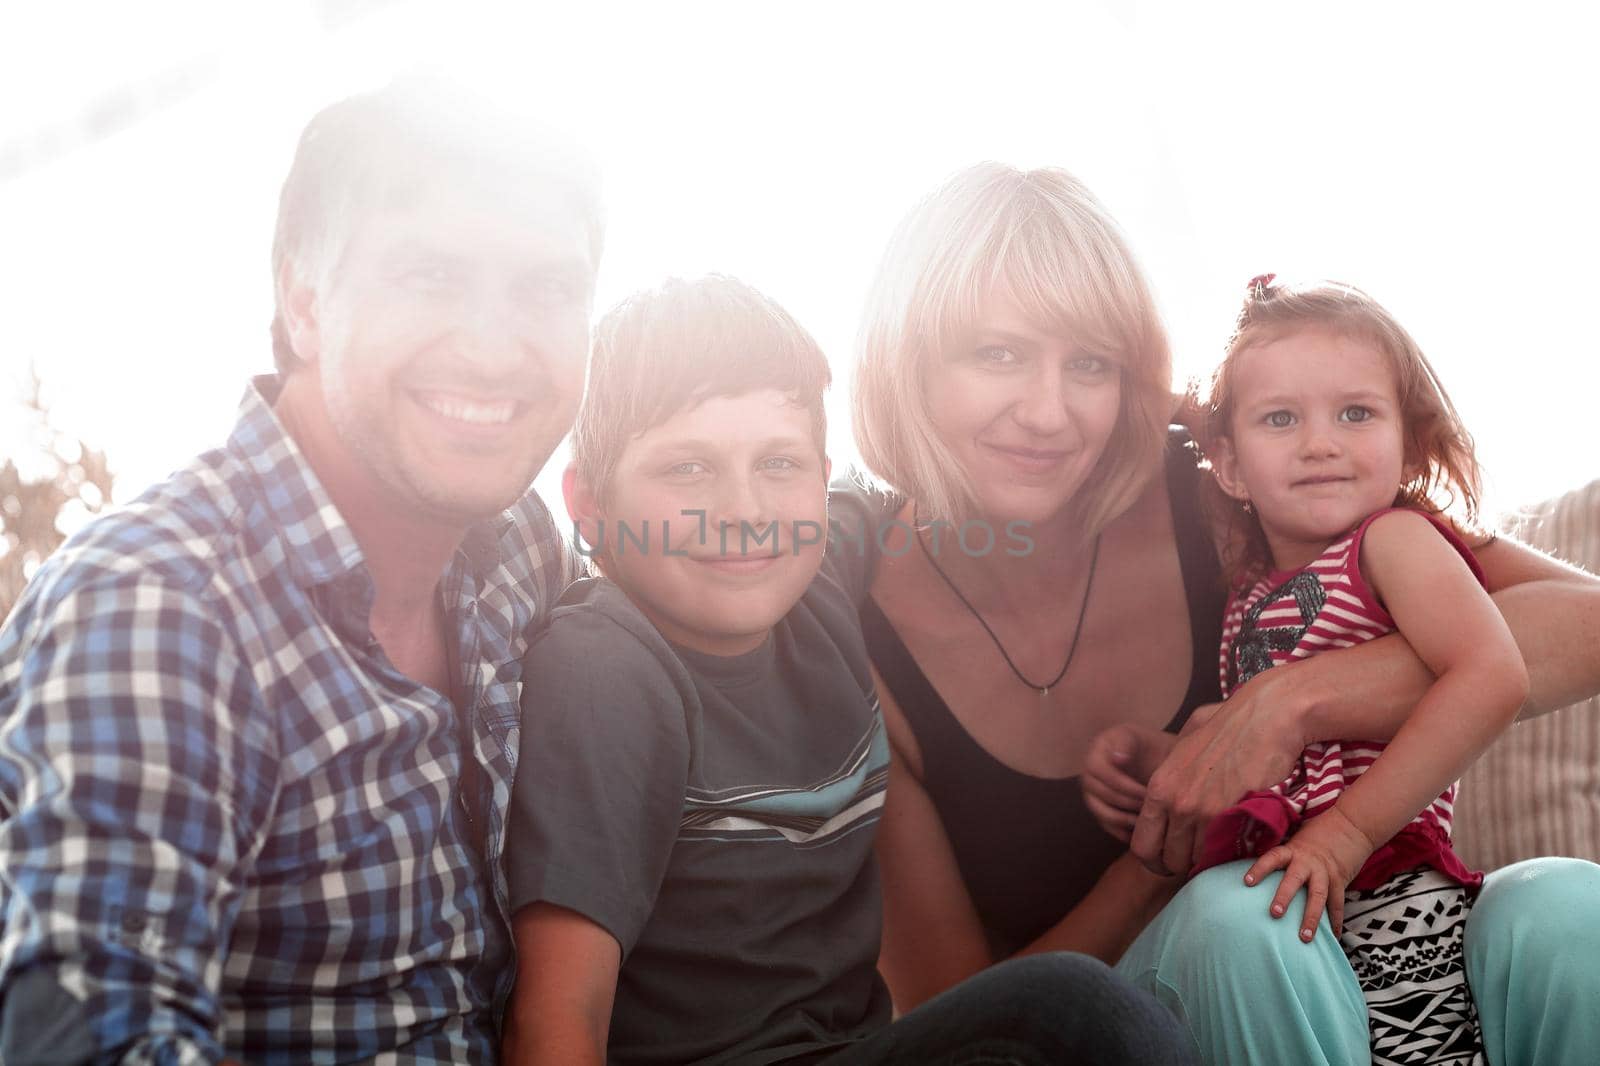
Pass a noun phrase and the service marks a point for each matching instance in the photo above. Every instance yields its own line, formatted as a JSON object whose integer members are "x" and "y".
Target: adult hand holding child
{"x": 1224, "y": 751}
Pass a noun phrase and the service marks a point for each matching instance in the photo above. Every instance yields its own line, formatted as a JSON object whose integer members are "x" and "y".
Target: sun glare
{"x": 1428, "y": 154}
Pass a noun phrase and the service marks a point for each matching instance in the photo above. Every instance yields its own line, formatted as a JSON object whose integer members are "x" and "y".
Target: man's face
{"x": 450, "y": 344}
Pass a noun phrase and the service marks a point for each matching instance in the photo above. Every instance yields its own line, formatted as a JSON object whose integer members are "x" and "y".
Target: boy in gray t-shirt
{"x": 702, "y": 758}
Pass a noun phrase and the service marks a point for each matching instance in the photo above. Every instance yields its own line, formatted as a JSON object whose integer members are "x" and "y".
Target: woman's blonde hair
{"x": 1445, "y": 479}
{"x": 1042, "y": 238}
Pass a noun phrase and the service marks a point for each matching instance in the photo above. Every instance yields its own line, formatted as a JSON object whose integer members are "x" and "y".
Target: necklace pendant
{"x": 1077, "y": 630}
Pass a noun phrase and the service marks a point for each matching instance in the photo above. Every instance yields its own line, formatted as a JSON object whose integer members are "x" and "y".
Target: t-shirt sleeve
{"x": 857, "y": 515}
{"x": 601, "y": 776}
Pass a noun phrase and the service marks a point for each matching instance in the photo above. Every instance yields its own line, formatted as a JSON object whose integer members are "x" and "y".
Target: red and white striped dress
{"x": 1294, "y": 614}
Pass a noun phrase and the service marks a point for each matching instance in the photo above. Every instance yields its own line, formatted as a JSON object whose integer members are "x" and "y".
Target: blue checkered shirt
{"x": 228, "y": 825}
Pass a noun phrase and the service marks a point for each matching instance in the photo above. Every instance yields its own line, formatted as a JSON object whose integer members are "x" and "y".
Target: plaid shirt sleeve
{"x": 137, "y": 774}
{"x": 537, "y": 563}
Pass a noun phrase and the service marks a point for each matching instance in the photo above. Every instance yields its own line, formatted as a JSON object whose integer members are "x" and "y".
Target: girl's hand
{"x": 1324, "y": 856}
{"x": 1119, "y": 762}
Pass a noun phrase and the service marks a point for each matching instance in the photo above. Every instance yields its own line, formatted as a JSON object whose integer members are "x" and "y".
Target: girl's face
{"x": 1317, "y": 441}
{"x": 1026, "y": 411}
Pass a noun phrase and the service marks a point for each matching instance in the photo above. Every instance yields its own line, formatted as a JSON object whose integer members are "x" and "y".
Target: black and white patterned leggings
{"x": 1404, "y": 942}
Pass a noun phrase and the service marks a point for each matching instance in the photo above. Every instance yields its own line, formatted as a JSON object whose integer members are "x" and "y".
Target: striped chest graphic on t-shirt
{"x": 846, "y": 800}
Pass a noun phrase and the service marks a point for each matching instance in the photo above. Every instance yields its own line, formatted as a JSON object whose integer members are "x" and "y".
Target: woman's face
{"x": 1026, "y": 411}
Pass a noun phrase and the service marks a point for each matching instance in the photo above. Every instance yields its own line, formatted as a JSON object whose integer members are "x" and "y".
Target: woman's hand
{"x": 1250, "y": 742}
{"x": 1120, "y": 761}
{"x": 1323, "y": 856}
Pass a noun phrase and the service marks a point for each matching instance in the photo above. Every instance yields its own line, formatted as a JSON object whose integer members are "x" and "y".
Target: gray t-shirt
{"x": 716, "y": 815}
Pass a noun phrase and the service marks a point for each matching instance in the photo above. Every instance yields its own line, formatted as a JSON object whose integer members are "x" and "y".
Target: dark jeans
{"x": 1040, "y": 1010}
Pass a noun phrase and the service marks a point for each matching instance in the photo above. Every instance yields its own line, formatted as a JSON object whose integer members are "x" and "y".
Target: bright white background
{"x": 1441, "y": 155}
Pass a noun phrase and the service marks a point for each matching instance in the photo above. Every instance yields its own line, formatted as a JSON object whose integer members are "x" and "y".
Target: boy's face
{"x": 716, "y": 519}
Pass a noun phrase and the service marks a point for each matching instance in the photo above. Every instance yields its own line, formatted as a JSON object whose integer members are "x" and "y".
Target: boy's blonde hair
{"x": 1447, "y": 482}
{"x": 666, "y": 349}
{"x": 1042, "y": 238}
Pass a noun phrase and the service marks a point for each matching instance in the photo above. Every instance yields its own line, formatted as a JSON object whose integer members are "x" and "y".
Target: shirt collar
{"x": 322, "y": 548}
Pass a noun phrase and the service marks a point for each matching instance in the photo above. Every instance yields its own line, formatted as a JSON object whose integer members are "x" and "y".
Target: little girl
{"x": 1339, "y": 450}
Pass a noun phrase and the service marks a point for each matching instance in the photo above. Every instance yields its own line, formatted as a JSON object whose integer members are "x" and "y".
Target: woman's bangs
{"x": 1057, "y": 291}
{"x": 1060, "y": 285}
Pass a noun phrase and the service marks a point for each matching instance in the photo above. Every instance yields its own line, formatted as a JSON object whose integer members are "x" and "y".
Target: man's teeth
{"x": 464, "y": 411}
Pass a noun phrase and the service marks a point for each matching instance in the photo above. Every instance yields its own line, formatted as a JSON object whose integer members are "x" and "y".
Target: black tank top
{"x": 1027, "y": 847}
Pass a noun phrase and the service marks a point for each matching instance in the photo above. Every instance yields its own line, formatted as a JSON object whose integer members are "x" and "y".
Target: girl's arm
{"x": 560, "y": 1011}
{"x": 1480, "y": 681}
{"x": 1252, "y": 741}
{"x": 1552, "y": 610}
{"x": 1480, "y": 684}
{"x": 932, "y": 937}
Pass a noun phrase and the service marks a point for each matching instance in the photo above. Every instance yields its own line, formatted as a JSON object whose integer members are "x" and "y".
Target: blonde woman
{"x": 1043, "y": 574}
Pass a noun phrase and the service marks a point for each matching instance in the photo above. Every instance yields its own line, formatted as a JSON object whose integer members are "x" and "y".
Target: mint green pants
{"x": 1250, "y": 992}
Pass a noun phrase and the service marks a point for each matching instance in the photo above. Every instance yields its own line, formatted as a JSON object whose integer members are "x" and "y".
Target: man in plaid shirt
{"x": 257, "y": 729}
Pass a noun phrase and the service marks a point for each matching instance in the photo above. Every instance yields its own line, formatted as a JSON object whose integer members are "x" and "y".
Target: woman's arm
{"x": 1552, "y": 610}
{"x": 560, "y": 1011}
{"x": 932, "y": 937}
